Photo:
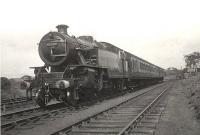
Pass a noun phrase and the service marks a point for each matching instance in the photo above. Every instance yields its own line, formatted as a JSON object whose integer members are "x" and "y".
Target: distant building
{"x": 173, "y": 73}
{"x": 191, "y": 71}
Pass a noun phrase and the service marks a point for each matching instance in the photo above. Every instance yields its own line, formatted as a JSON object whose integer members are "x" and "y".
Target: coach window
{"x": 141, "y": 66}
{"x": 119, "y": 54}
{"x": 132, "y": 63}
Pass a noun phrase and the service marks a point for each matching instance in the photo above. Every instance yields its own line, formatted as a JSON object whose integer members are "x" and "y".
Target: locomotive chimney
{"x": 62, "y": 28}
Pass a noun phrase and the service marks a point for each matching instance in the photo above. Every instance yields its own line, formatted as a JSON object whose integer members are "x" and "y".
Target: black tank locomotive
{"x": 80, "y": 68}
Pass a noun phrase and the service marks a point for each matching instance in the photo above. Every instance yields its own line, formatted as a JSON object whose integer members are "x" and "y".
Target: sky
{"x": 159, "y": 31}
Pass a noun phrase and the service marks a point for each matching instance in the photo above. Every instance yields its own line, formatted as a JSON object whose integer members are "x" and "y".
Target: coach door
{"x": 126, "y": 66}
{"x": 124, "y": 63}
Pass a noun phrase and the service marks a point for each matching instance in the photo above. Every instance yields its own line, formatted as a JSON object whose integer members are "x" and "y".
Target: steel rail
{"x": 9, "y": 104}
{"x": 26, "y": 111}
{"x": 10, "y": 101}
{"x": 139, "y": 116}
{"x": 68, "y": 129}
{"x": 34, "y": 118}
{"x": 38, "y": 116}
{"x": 18, "y": 112}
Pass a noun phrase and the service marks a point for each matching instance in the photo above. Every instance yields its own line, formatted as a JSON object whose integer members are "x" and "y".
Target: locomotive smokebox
{"x": 53, "y": 48}
{"x": 62, "y": 28}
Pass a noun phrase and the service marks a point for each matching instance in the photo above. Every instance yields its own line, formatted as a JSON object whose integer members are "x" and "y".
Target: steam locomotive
{"x": 80, "y": 68}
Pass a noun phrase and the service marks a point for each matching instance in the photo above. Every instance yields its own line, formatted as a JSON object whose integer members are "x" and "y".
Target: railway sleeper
{"x": 151, "y": 116}
{"x": 150, "y": 120}
{"x": 160, "y": 108}
{"x": 146, "y": 125}
{"x": 154, "y": 114}
{"x": 107, "y": 122}
{"x": 21, "y": 122}
{"x": 125, "y": 117}
{"x": 8, "y": 127}
{"x": 129, "y": 109}
{"x": 125, "y": 112}
{"x": 132, "y": 107}
{"x": 95, "y": 131}
{"x": 120, "y": 115}
{"x": 142, "y": 131}
{"x": 7, "y": 116}
{"x": 157, "y": 113}
{"x": 100, "y": 125}
{"x": 35, "y": 119}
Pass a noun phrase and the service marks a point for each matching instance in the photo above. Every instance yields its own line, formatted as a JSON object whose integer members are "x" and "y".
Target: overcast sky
{"x": 159, "y": 31}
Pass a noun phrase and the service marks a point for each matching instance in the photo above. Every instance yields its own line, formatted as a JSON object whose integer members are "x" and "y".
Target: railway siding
{"x": 11, "y": 105}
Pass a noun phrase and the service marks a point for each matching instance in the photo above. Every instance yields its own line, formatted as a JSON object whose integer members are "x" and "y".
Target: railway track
{"x": 15, "y": 100}
{"x": 123, "y": 118}
{"x": 9, "y": 104}
{"x": 146, "y": 124}
{"x": 35, "y": 114}
{"x": 3, "y": 101}
{"x": 31, "y": 117}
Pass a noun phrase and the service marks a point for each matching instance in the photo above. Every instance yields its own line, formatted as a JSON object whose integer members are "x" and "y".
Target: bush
{"x": 5, "y": 83}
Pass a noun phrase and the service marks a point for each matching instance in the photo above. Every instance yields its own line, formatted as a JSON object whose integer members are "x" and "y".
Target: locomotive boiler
{"x": 77, "y": 69}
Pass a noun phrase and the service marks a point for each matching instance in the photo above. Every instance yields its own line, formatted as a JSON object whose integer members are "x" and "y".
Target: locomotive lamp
{"x": 62, "y": 84}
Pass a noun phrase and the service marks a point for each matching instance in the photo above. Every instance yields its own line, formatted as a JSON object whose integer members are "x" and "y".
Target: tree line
{"x": 192, "y": 60}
